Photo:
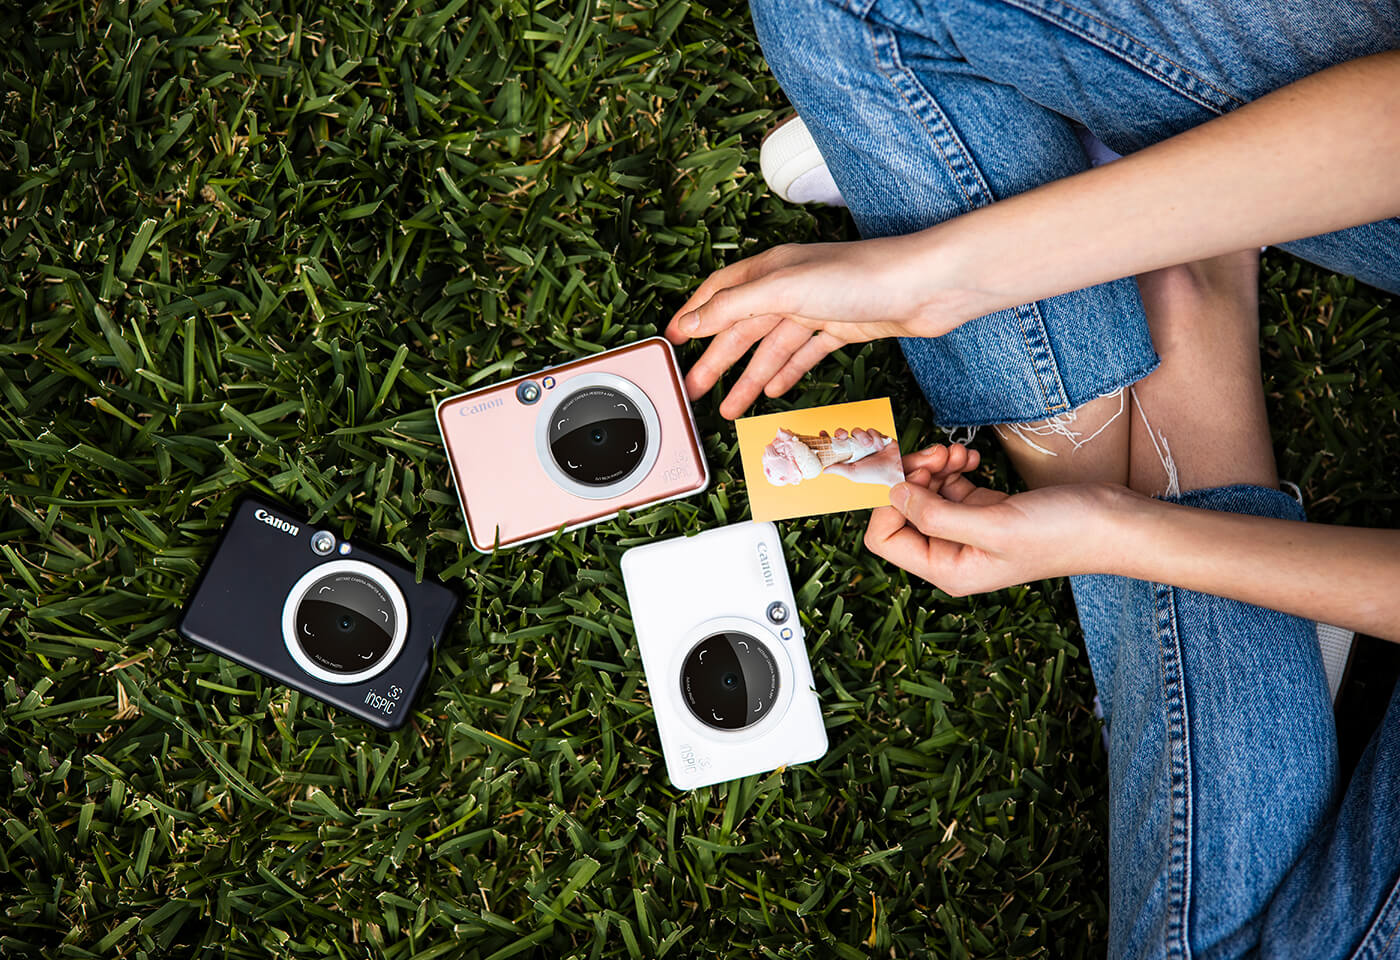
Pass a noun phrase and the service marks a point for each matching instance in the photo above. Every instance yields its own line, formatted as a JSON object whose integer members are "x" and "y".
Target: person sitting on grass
{"x": 1229, "y": 833}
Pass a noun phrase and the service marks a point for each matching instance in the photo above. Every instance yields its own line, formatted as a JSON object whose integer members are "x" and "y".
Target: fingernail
{"x": 899, "y": 495}
{"x": 688, "y": 323}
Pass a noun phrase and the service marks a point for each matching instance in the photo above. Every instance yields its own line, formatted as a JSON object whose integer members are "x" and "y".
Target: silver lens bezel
{"x": 298, "y": 593}
{"x": 650, "y": 421}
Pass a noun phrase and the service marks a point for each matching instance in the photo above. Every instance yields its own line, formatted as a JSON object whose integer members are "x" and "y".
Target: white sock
{"x": 816, "y": 186}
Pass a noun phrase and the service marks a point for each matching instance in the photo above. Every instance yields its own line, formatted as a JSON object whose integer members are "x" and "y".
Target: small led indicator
{"x": 345, "y": 549}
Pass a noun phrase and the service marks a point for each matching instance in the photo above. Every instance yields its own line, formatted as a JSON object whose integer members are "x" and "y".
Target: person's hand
{"x": 804, "y": 301}
{"x": 882, "y": 468}
{"x": 965, "y": 539}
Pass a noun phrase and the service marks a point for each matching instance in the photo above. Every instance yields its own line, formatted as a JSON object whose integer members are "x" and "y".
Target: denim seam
{"x": 965, "y": 173}
{"x": 976, "y": 193}
{"x": 1132, "y": 51}
{"x": 1386, "y": 924}
{"x": 1179, "y": 754}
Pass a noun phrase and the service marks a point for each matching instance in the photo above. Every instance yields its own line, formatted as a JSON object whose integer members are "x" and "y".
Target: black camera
{"x": 323, "y": 615}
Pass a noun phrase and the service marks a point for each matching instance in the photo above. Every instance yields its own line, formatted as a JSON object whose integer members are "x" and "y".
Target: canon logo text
{"x": 764, "y": 564}
{"x": 277, "y": 523}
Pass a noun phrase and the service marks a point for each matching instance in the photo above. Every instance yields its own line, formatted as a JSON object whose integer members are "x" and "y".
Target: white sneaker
{"x": 793, "y": 167}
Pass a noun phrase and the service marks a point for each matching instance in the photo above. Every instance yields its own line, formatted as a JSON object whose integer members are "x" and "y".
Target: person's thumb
{"x": 937, "y": 517}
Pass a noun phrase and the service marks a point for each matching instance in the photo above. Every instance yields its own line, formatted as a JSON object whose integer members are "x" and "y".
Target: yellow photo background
{"x": 824, "y": 493}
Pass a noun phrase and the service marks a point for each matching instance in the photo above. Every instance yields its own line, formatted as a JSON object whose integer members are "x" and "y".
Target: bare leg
{"x": 1088, "y": 445}
{"x": 1205, "y": 403}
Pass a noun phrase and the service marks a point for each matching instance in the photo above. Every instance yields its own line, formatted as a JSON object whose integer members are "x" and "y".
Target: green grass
{"x": 246, "y": 247}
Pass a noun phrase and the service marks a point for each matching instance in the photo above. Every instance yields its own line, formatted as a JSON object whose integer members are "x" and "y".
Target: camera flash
{"x": 322, "y": 543}
{"x": 777, "y": 611}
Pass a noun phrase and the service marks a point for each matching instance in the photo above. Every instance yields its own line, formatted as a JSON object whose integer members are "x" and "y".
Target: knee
{"x": 1193, "y": 288}
{"x": 799, "y": 36}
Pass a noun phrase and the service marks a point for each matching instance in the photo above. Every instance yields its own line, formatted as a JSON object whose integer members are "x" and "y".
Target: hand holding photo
{"x": 820, "y": 460}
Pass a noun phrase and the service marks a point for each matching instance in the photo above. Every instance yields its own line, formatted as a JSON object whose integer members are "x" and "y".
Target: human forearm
{"x": 1315, "y": 156}
{"x": 1342, "y": 575}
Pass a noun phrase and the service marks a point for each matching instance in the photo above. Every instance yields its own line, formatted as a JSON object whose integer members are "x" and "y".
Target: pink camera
{"x": 572, "y": 445}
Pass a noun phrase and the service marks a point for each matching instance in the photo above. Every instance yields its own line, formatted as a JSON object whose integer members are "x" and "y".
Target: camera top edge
{"x": 567, "y": 365}
{"x": 287, "y": 513}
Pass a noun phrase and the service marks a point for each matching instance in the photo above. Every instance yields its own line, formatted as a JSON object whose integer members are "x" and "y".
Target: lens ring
{"x": 619, "y": 460}
{"x": 373, "y": 595}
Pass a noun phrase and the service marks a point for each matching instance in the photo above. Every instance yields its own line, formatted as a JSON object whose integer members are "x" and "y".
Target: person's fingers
{"x": 957, "y": 459}
{"x": 932, "y": 458}
{"x": 920, "y": 476}
{"x": 769, "y": 293}
{"x": 937, "y": 516}
{"x": 957, "y": 488}
{"x": 772, "y": 354}
{"x": 807, "y": 356}
{"x": 740, "y": 272}
{"x": 884, "y": 522}
{"x": 941, "y": 458}
{"x": 904, "y": 546}
{"x": 723, "y": 351}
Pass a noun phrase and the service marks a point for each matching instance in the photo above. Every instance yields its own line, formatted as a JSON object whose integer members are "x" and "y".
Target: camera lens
{"x": 345, "y": 623}
{"x": 597, "y": 436}
{"x": 322, "y": 543}
{"x": 528, "y": 392}
{"x": 730, "y": 680}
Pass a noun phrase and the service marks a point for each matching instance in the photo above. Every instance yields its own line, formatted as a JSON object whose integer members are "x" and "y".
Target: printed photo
{"x": 820, "y": 460}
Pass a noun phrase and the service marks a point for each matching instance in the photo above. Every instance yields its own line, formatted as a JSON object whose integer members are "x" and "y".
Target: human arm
{"x": 967, "y": 539}
{"x": 1312, "y": 157}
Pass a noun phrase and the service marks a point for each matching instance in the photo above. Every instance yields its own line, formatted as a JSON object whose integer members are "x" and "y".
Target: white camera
{"x": 723, "y": 652}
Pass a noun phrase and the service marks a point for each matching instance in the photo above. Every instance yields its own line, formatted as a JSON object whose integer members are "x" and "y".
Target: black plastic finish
{"x": 236, "y": 610}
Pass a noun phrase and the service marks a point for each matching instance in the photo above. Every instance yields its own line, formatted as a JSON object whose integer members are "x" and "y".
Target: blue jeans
{"x": 1229, "y": 834}
{"x": 926, "y": 109}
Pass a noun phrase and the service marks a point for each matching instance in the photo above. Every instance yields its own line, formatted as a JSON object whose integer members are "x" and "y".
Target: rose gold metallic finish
{"x": 508, "y": 499}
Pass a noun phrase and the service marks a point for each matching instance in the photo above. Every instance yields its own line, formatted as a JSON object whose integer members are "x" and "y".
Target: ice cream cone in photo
{"x": 793, "y": 457}
{"x": 822, "y": 446}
